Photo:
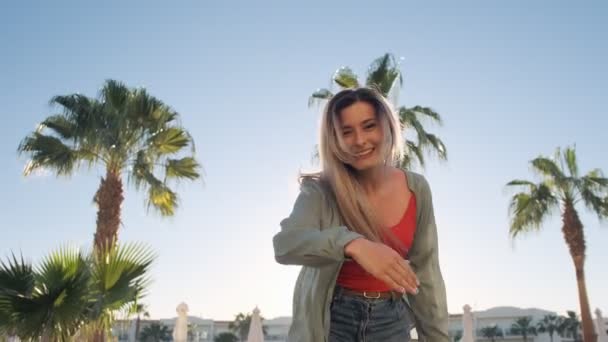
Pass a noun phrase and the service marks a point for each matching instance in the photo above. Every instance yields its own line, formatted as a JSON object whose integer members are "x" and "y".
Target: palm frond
{"x": 143, "y": 166}
{"x": 529, "y": 209}
{"x": 115, "y": 94}
{"x": 182, "y": 168}
{"x": 48, "y": 152}
{"x": 437, "y": 144}
{"x": 383, "y": 73}
{"x": 162, "y": 198}
{"x": 120, "y": 278}
{"x": 16, "y": 275}
{"x": 548, "y": 168}
{"x": 595, "y": 181}
{"x": 55, "y": 304}
{"x": 409, "y": 119}
{"x": 427, "y": 112}
{"x": 412, "y": 153}
{"x": 345, "y": 78}
{"x": 152, "y": 112}
{"x": 170, "y": 140}
{"x": 595, "y": 203}
{"x": 318, "y": 96}
{"x": 521, "y": 182}
{"x": 83, "y": 112}
{"x": 61, "y": 125}
{"x": 570, "y": 158}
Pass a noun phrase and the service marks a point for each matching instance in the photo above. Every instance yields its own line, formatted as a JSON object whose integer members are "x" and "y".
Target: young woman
{"x": 364, "y": 232}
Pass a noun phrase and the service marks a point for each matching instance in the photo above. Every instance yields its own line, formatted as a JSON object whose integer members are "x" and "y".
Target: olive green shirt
{"x": 313, "y": 236}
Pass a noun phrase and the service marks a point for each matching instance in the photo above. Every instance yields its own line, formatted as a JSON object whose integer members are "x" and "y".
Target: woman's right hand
{"x": 384, "y": 263}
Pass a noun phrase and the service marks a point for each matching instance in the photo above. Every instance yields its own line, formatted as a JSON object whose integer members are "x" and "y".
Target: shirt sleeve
{"x": 430, "y": 304}
{"x": 302, "y": 240}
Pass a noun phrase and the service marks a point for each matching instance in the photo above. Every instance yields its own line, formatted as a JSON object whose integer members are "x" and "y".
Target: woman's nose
{"x": 359, "y": 138}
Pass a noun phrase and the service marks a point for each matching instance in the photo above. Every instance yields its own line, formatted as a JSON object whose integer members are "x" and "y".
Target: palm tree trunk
{"x": 46, "y": 335}
{"x": 137, "y": 324}
{"x": 99, "y": 336}
{"x": 575, "y": 239}
{"x": 109, "y": 198}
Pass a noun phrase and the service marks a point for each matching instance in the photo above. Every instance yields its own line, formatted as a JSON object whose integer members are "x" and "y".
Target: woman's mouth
{"x": 364, "y": 154}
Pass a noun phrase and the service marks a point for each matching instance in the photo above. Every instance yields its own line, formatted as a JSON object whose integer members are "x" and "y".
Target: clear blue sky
{"x": 513, "y": 80}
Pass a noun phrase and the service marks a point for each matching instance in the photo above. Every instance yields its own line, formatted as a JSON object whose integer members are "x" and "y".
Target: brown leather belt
{"x": 372, "y": 294}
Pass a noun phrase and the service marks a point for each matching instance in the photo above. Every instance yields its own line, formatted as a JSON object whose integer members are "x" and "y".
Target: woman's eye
{"x": 346, "y": 133}
{"x": 370, "y": 126}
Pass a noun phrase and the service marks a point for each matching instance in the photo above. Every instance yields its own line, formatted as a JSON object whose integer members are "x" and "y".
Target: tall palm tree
{"x": 523, "y": 326}
{"x": 491, "y": 332}
{"x": 385, "y": 76}
{"x": 562, "y": 188}
{"x": 155, "y": 333}
{"x": 139, "y": 310}
{"x": 71, "y": 294}
{"x": 126, "y": 131}
{"x": 548, "y": 324}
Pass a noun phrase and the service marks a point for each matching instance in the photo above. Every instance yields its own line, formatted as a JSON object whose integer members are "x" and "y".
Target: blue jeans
{"x": 359, "y": 319}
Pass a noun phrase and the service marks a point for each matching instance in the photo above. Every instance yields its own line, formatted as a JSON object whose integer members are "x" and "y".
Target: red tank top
{"x": 352, "y": 276}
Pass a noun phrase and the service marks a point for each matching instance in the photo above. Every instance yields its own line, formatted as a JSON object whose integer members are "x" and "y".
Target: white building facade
{"x": 205, "y": 330}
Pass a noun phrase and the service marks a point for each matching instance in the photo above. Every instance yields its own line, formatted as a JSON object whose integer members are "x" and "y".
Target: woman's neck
{"x": 372, "y": 180}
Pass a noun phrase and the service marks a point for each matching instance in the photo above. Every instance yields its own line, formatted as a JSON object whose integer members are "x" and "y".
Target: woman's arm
{"x": 430, "y": 304}
{"x": 301, "y": 240}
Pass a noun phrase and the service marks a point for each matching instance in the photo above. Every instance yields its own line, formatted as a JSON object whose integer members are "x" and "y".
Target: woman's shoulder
{"x": 417, "y": 181}
{"x": 312, "y": 183}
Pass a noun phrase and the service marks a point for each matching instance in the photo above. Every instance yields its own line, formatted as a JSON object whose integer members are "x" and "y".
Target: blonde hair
{"x": 340, "y": 179}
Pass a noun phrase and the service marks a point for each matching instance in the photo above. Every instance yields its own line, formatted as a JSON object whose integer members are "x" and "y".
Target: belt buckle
{"x": 371, "y": 297}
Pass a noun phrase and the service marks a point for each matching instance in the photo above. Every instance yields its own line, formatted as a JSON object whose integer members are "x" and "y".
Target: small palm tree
{"x": 226, "y": 337}
{"x": 127, "y": 132}
{"x": 562, "y": 188}
{"x": 457, "y": 336}
{"x": 491, "y": 332}
{"x": 385, "y": 76}
{"x": 48, "y": 302}
{"x": 241, "y": 324}
{"x": 570, "y": 326}
{"x": 523, "y": 326}
{"x": 155, "y": 333}
{"x": 548, "y": 324}
{"x": 71, "y": 294}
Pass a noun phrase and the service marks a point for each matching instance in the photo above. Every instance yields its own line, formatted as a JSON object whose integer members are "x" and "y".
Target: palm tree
{"x": 548, "y": 324}
{"x": 139, "y": 310}
{"x": 523, "y": 326}
{"x": 562, "y": 188}
{"x": 155, "y": 333}
{"x": 385, "y": 76}
{"x": 561, "y": 326}
{"x": 127, "y": 132}
{"x": 71, "y": 294}
{"x": 491, "y": 332}
{"x": 241, "y": 324}
{"x": 48, "y": 302}
{"x": 226, "y": 337}
{"x": 570, "y": 326}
